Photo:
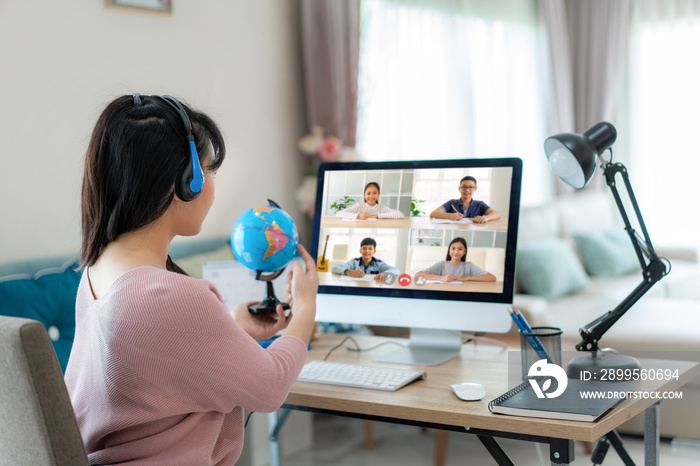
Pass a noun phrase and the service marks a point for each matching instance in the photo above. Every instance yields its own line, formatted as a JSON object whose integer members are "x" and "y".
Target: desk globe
{"x": 264, "y": 239}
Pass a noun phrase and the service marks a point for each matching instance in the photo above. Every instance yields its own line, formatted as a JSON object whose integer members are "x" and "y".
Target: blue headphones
{"x": 191, "y": 180}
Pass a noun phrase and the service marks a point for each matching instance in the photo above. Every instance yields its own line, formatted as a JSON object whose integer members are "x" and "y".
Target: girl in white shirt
{"x": 370, "y": 208}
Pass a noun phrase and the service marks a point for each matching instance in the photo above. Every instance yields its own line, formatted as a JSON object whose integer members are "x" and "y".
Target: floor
{"x": 341, "y": 442}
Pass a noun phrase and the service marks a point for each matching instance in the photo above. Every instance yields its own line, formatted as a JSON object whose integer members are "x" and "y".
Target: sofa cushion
{"x": 549, "y": 268}
{"x": 49, "y": 297}
{"x": 592, "y": 210}
{"x": 607, "y": 253}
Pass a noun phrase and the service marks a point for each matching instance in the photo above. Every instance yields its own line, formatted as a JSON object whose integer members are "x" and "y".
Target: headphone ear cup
{"x": 191, "y": 180}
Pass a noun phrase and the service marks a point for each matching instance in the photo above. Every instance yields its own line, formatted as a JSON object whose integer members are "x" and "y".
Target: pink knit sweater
{"x": 160, "y": 373}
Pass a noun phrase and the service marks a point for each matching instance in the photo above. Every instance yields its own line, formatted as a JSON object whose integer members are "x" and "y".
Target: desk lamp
{"x": 573, "y": 158}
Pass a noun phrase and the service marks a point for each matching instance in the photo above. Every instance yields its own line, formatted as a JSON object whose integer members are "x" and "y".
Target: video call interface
{"x": 374, "y": 235}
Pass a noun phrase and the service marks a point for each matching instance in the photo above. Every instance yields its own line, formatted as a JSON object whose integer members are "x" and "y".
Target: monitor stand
{"x": 426, "y": 347}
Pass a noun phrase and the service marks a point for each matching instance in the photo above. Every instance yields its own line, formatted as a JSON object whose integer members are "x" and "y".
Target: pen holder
{"x": 541, "y": 343}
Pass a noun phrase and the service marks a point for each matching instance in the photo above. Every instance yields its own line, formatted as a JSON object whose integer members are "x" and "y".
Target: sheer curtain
{"x": 664, "y": 97}
{"x": 454, "y": 79}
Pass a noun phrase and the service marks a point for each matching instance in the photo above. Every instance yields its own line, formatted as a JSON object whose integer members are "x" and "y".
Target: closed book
{"x": 580, "y": 401}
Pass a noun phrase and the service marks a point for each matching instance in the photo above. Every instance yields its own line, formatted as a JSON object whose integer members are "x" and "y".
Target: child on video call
{"x": 455, "y": 267}
{"x": 366, "y": 264}
{"x": 466, "y": 205}
{"x": 370, "y": 208}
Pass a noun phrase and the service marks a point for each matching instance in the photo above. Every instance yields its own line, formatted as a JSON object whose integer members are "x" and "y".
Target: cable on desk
{"x": 357, "y": 346}
{"x": 480, "y": 337}
{"x": 245, "y": 424}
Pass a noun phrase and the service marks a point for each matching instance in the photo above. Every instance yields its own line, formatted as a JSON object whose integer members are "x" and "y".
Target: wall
{"x": 62, "y": 62}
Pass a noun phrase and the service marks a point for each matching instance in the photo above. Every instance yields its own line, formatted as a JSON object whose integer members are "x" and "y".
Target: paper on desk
{"x": 366, "y": 278}
{"x": 237, "y": 284}
{"x": 465, "y": 220}
{"x": 456, "y": 282}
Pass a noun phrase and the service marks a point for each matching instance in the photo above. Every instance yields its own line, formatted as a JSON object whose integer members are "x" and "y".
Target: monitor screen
{"x": 388, "y": 256}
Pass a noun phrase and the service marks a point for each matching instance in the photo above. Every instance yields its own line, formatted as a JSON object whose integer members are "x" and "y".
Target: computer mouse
{"x": 468, "y": 391}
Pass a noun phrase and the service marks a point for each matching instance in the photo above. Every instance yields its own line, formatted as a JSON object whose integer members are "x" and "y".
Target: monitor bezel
{"x": 506, "y": 296}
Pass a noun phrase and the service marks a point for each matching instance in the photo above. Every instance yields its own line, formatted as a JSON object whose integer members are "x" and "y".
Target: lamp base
{"x": 596, "y": 366}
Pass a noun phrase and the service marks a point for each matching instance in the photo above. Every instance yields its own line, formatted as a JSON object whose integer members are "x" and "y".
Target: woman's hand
{"x": 259, "y": 326}
{"x": 302, "y": 281}
{"x": 302, "y": 285}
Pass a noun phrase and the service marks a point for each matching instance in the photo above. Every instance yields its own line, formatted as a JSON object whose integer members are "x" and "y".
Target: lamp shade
{"x": 572, "y": 157}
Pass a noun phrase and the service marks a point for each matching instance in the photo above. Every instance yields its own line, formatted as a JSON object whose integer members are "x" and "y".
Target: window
{"x": 438, "y": 81}
{"x": 664, "y": 96}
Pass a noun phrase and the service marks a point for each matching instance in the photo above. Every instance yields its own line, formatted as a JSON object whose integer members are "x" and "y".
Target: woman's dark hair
{"x": 371, "y": 183}
{"x": 458, "y": 239}
{"x": 136, "y": 154}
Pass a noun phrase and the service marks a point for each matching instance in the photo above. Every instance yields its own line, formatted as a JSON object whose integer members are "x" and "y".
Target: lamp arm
{"x": 653, "y": 268}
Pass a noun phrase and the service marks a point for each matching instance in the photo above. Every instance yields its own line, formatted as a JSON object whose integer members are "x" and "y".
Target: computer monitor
{"x": 435, "y": 311}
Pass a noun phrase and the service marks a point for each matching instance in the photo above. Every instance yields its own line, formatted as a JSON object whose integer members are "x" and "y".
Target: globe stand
{"x": 269, "y": 304}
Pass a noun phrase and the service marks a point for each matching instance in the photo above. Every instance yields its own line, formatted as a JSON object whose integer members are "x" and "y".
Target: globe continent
{"x": 264, "y": 239}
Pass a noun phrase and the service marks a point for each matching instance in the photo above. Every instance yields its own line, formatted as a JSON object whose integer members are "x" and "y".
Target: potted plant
{"x": 342, "y": 204}
{"x": 416, "y": 204}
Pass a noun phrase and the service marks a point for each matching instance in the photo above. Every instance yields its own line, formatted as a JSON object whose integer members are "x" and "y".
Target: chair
{"x": 36, "y": 415}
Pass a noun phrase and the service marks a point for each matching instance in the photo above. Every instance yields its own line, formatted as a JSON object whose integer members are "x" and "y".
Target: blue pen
{"x": 524, "y": 327}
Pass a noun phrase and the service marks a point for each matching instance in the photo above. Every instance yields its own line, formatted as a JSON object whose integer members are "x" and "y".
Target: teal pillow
{"x": 549, "y": 268}
{"x": 607, "y": 253}
{"x": 49, "y": 297}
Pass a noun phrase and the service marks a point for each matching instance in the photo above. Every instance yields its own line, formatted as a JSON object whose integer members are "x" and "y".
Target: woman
{"x": 160, "y": 371}
{"x": 455, "y": 267}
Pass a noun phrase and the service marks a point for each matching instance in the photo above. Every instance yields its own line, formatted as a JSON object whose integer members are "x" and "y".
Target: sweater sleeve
{"x": 180, "y": 341}
{"x": 350, "y": 212}
{"x": 386, "y": 212}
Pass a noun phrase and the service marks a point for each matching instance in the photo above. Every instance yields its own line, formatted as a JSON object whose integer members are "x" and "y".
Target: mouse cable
{"x": 357, "y": 346}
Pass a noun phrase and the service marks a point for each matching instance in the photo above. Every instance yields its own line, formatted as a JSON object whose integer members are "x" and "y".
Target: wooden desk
{"x": 431, "y": 404}
{"x": 415, "y": 223}
{"x": 331, "y": 279}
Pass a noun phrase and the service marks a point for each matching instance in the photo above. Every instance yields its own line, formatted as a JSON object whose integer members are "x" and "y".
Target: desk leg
{"x": 495, "y": 449}
{"x": 275, "y": 424}
{"x": 651, "y": 435}
{"x": 561, "y": 451}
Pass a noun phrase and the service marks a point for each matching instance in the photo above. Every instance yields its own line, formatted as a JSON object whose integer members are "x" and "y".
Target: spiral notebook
{"x": 581, "y": 401}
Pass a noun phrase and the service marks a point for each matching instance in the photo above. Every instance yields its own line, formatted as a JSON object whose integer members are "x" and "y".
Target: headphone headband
{"x": 192, "y": 178}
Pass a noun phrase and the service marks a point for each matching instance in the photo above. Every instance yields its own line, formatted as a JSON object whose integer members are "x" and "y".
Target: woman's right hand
{"x": 302, "y": 286}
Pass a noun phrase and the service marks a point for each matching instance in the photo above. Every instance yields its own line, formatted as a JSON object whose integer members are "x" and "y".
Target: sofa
{"x": 575, "y": 262}
{"x": 44, "y": 289}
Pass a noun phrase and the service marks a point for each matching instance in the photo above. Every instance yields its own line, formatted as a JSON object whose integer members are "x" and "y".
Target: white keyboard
{"x": 358, "y": 375}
